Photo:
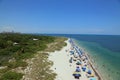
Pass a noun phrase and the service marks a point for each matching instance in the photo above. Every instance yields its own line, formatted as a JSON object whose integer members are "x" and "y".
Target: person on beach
{"x": 70, "y": 60}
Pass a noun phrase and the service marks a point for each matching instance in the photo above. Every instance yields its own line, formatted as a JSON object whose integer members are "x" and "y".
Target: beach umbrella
{"x": 76, "y": 55}
{"x": 77, "y": 69}
{"x": 76, "y": 74}
{"x": 93, "y": 78}
{"x": 83, "y": 68}
{"x": 71, "y": 52}
{"x": 89, "y": 71}
{"x": 78, "y": 63}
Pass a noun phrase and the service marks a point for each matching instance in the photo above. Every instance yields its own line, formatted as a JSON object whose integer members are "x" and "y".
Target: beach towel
{"x": 93, "y": 78}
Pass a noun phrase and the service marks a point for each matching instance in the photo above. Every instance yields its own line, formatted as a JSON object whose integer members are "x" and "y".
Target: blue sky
{"x": 61, "y": 16}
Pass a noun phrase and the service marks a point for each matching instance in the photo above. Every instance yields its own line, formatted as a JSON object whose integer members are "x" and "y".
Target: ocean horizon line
{"x": 75, "y": 34}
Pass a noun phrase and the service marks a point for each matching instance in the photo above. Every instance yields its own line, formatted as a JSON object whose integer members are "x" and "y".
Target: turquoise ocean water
{"x": 106, "y": 62}
{"x": 104, "y": 51}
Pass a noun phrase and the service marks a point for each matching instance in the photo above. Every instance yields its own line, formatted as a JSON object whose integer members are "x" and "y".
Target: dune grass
{"x": 9, "y": 75}
{"x": 41, "y": 68}
{"x": 15, "y": 56}
{"x": 56, "y": 45}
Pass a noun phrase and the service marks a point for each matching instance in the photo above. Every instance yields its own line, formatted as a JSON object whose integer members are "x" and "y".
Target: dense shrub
{"x": 25, "y": 48}
{"x": 16, "y": 64}
{"x": 11, "y": 76}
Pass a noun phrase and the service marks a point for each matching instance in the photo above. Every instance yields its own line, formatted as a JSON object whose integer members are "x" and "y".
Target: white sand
{"x": 62, "y": 66}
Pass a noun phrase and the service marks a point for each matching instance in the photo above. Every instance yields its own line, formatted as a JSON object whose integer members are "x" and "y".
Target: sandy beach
{"x": 63, "y": 68}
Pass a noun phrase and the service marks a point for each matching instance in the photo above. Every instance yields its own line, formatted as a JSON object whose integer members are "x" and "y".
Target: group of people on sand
{"x": 82, "y": 64}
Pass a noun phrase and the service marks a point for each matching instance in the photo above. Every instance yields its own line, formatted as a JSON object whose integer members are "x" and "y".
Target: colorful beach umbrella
{"x": 83, "y": 68}
{"x": 77, "y": 69}
{"x": 71, "y": 52}
{"x": 78, "y": 63}
{"x": 76, "y": 74}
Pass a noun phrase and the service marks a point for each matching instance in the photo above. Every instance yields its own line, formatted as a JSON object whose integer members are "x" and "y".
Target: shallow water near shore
{"x": 106, "y": 62}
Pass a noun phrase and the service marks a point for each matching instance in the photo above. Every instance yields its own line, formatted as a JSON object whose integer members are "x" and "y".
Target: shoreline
{"x": 61, "y": 65}
{"x": 91, "y": 64}
{"x": 93, "y": 67}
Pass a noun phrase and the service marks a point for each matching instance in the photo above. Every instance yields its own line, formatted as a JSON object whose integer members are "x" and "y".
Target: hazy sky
{"x": 60, "y": 16}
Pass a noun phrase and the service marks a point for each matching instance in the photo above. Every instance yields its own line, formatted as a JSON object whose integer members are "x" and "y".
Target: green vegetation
{"x": 11, "y": 76}
{"x": 41, "y": 68}
{"x": 57, "y": 44}
{"x": 12, "y": 55}
{"x": 42, "y": 65}
{"x": 15, "y": 48}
